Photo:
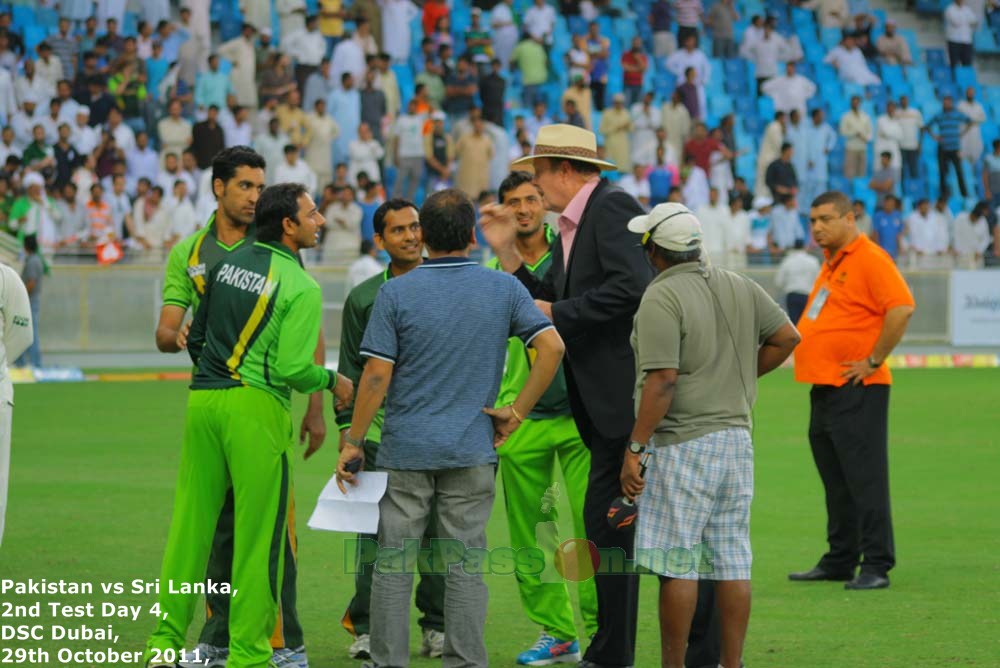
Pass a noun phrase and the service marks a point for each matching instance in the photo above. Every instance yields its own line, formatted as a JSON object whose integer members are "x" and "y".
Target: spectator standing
{"x": 764, "y": 53}
{"x": 634, "y": 63}
{"x": 212, "y": 86}
{"x": 677, "y": 123}
{"x": 598, "y": 48}
{"x": 849, "y": 329}
{"x": 912, "y": 122}
{"x": 679, "y": 426}
{"x": 321, "y": 131}
{"x": 831, "y": 13}
{"x": 473, "y": 150}
{"x": 786, "y": 227}
{"x": 348, "y": 57}
{"x": 636, "y": 184}
{"x": 504, "y": 31}
{"x": 344, "y": 104}
{"x": 688, "y": 16}
{"x": 646, "y": 120}
{"x": 616, "y": 124}
{"x": 768, "y": 152}
{"x": 207, "y": 138}
{"x": 856, "y": 129}
{"x": 439, "y": 153}
{"x": 461, "y": 87}
{"x": 888, "y": 228}
{"x": 374, "y": 110}
{"x": 492, "y": 90}
{"x": 65, "y": 47}
{"x": 364, "y": 153}
{"x": 396, "y": 18}
{"x": 294, "y": 170}
{"x": 737, "y": 235}
{"x": 344, "y": 234}
{"x": 409, "y": 152}
{"x": 796, "y": 275}
{"x": 540, "y": 21}
{"x": 16, "y": 326}
{"x": 318, "y": 85}
{"x": 972, "y": 237}
{"x": 889, "y": 137}
{"x": 660, "y": 17}
{"x": 530, "y": 58}
{"x": 713, "y": 218}
{"x": 581, "y": 97}
{"x": 719, "y": 21}
{"x": 862, "y": 220}
{"x": 174, "y": 131}
{"x": 308, "y": 47}
{"x": 291, "y": 18}
{"x": 691, "y": 56}
{"x": 240, "y": 51}
{"x": 780, "y": 177}
{"x": 972, "y": 138}
{"x": 690, "y": 94}
{"x": 960, "y": 24}
{"x": 950, "y": 124}
{"x": 927, "y": 237}
{"x": 791, "y": 91}
{"x": 892, "y": 48}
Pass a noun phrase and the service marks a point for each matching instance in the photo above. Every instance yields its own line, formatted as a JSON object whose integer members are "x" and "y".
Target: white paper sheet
{"x": 354, "y": 512}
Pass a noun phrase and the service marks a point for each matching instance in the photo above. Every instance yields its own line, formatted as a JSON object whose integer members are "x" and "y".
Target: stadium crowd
{"x": 110, "y": 120}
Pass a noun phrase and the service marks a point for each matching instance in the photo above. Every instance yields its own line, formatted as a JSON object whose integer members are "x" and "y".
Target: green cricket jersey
{"x": 357, "y": 312}
{"x": 555, "y": 400}
{"x": 258, "y": 323}
{"x": 189, "y": 263}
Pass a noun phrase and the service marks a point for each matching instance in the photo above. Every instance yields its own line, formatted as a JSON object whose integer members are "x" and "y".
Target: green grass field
{"x": 92, "y": 478}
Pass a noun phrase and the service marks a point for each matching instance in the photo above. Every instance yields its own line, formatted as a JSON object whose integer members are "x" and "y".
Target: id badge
{"x": 818, "y": 303}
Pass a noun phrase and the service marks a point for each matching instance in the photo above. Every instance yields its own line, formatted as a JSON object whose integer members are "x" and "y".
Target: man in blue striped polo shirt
{"x": 951, "y": 125}
{"x": 435, "y": 347}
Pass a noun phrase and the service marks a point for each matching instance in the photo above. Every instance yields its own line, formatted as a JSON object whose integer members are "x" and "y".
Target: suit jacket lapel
{"x": 564, "y": 277}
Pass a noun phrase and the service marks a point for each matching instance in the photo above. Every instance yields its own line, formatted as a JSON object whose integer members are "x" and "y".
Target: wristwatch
{"x": 636, "y": 448}
{"x": 356, "y": 442}
{"x": 872, "y": 363}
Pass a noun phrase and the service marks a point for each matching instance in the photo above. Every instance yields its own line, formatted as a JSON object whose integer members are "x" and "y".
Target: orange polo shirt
{"x": 860, "y": 284}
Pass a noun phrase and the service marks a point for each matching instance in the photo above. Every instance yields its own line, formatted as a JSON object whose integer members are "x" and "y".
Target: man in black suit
{"x": 598, "y": 275}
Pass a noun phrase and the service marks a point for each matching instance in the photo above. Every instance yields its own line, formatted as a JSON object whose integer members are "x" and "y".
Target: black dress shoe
{"x": 868, "y": 581}
{"x": 817, "y": 574}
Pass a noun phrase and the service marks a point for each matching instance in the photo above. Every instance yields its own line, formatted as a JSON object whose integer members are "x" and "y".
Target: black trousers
{"x": 911, "y": 164}
{"x": 848, "y": 433}
{"x": 959, "y": 54}
{"x": 946, "y": 158}
{"x": 617, "y": 595}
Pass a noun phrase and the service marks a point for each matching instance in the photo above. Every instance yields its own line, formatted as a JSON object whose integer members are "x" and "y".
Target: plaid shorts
{"x": 694, "y": 515}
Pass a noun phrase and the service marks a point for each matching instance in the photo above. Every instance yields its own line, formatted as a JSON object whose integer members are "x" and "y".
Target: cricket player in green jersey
{"x": 251, "y": 342}
{"x": 397, "y": 232}
{"x": 528, "y": 458}
{"x": 237, "y": 181}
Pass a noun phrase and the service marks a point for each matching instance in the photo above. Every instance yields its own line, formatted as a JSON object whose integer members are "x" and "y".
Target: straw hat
{"x": 568, "y": 142}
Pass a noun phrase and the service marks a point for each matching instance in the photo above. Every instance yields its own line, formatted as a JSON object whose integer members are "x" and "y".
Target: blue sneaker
{"x": 549, "y": 650}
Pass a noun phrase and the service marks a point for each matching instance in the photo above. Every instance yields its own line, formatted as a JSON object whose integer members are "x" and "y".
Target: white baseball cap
{"x": 671, "y": 225}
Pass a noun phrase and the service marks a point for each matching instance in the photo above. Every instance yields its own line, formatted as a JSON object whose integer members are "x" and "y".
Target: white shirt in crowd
{"x": 797, "y": 272}
{"x": 299, "y": 172}
{"x": 889, "y": 137}
{"x": 928, "y": 234}
{"x": 637, "y": 188}
{"x": 15, "y": 321}
{"x": 714, "y": 221}
{"x": 361, "y": 270}
{"x": 343, "y": 231}
{"x": 971, "y": 238}
{"x": 911, "y": 121}
{"x": 307, "y": 47}
{"x": 540, "y": 21}
{"x": 851, "y": 66}
{"x": 695, "y": 189}
{"x": 959, "y": 23}
{"x": 789, "y": 92}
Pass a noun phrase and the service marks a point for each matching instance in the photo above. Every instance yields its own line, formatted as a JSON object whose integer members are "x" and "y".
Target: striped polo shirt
{"x": 444, "y": 326}
{"x": 949, "y": 125}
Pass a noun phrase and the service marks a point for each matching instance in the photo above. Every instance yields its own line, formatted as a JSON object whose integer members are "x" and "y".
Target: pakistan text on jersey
{"x": 244, "y": 279}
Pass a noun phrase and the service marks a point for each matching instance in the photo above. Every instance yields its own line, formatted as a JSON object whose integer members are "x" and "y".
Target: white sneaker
{"x": 288, "y": 657}
{"x": 204, "y": 656}
{"x": 433, "y": 644}
{"x": 361, "y": 648}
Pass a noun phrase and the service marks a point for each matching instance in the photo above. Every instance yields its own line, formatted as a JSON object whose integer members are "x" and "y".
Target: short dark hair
{"x": 785, "y": 146}
{"x": 366, "y": 246}
{"x": 515, "y": 179}
{"x": 276, "y": 203}
{"x": 226, "y": 162}
{"x": 394, "y": 204}
{"x": 31, "y": 243}
{"x": 839, "y": 200}
{"x": 447, "y": 219}
{"x": 676, "y": 257}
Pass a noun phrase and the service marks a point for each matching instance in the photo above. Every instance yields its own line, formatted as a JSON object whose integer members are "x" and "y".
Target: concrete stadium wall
{"x": 114, "y": 309}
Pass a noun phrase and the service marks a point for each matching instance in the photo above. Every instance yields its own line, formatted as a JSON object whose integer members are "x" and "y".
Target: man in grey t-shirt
{"x": 701, "y": 337}
{"x": 435, "y": 347}
{"x": 34, "y": 270}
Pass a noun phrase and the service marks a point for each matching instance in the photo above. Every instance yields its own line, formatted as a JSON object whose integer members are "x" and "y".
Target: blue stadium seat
{"x": 753, "y": 125}
{"x": 745, "y": 106}
{"x": 33, "y": 36}
{"x": 830, "y": 37}
{"x": 130, "y": 25}
{"x": 47, "y": 17}
{"x": 935, "y": 57}
{"x": 22, "y": 16}
{"x": 765, "y": 107}
{"x": 965, "y": 76}
{"x": 839, "y": 183}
